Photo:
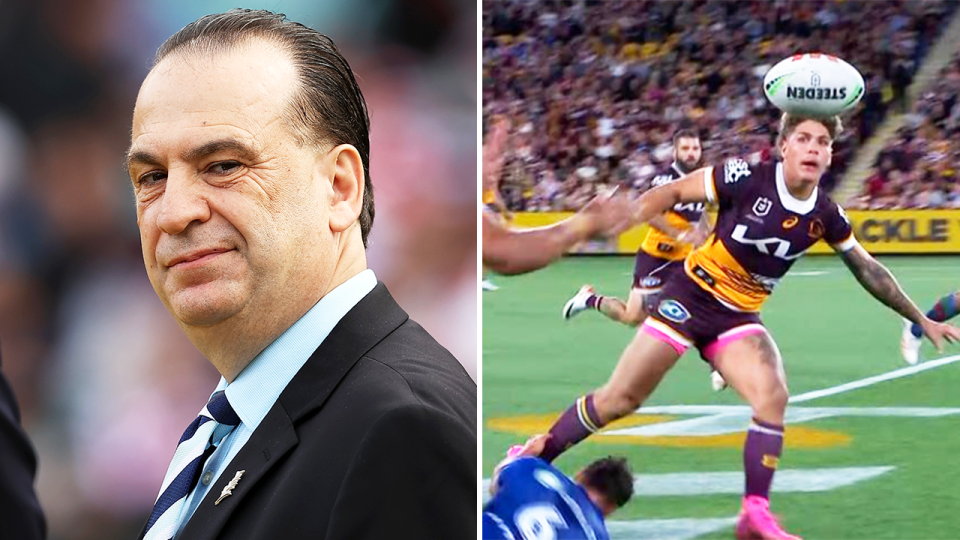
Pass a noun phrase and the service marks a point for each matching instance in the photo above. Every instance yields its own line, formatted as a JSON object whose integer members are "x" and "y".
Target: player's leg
{"x": 750, "y": 362}
{"x": 945, "y": 309}
{"x": 629, "y": 312}
{"x": 485, "y": 282}
{"x": 642, "y": 365}
{"x": 649, "y": 274}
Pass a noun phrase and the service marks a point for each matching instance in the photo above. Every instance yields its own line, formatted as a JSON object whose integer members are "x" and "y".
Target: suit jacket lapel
{"x": 372, "y": 319}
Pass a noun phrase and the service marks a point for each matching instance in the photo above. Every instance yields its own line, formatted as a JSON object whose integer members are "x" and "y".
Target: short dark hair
{"x": 685, "y": 134}
{"x": 327, "y": 106}
{"x": 789, "y": 122}
{"x": 610, "y": 477}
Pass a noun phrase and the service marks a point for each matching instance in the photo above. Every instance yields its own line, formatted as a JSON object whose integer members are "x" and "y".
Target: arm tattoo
{"x": 879, "y": 282}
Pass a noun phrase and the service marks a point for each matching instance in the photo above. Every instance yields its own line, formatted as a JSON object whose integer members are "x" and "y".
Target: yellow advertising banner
{"x": 880, "y": 231}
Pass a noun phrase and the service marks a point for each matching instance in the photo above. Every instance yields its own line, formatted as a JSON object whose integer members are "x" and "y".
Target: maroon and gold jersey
{"x": 761, "y": 230}
{"x": 682, "y": 216}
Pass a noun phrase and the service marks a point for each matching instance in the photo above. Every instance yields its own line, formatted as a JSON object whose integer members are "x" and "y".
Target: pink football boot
{"x": 757, "y": 523}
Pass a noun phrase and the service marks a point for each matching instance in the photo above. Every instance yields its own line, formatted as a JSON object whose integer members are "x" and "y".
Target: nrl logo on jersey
{"x": 777, "y": 247}
{"x": 735, "y": 170}
{"x": 762, "y": 206}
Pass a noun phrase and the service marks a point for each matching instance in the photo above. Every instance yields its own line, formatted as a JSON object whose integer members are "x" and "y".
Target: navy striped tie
{"x": 200, "y": 439}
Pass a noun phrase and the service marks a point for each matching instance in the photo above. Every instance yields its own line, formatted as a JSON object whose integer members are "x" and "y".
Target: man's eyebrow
{"x": 219, "y": 145}
{"x": 199, "y": 152}
{"x": 140, "y": 157}
{"x": 811, "y": 135}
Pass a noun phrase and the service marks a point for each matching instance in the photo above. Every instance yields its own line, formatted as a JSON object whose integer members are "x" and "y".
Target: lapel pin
{"x": 228, "y": 490}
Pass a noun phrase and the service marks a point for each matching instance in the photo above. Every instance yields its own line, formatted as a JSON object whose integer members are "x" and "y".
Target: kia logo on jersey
{"x": 778, "y": 247}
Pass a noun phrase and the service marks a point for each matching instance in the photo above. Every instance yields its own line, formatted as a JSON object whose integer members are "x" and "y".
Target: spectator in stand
{"x": 916, "y": 169}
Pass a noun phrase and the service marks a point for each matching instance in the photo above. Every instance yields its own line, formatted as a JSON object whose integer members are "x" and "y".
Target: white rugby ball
{"x": 813, "y": 84}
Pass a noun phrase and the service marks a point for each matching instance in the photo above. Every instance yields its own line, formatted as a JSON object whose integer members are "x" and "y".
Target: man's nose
{"x": 182, "y": 202}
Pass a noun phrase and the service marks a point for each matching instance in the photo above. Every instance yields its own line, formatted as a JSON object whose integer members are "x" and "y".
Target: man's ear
{"x": 347, "y": 185}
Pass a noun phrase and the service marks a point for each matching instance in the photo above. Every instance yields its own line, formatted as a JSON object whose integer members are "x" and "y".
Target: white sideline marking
{"x": 676, "y": 529}
{"x": 689, "y": 484}
{"x": 730, "y": 419}
{"x": 835, "y": 411}
{"x": 723, "y": 419}
{"x": 895, "y": 374}
{"x": 716, "y": 483}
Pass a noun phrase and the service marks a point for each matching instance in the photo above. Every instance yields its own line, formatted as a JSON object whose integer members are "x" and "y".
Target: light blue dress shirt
{"x": 253, "y": 393}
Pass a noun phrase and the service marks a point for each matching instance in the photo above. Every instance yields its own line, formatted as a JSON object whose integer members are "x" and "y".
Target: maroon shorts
{"x": 651, "y": 273}
{"x": 687, "y": 316}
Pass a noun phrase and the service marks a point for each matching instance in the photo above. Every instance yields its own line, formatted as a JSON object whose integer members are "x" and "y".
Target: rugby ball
{"x": 813, "y": 84}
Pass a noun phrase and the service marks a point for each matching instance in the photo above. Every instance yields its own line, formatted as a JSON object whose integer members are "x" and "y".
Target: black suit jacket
{"x": 374, "y": 438}
{"x": 20, "y": 514}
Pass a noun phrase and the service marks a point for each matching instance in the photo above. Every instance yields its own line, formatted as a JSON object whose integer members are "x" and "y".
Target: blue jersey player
{"x": 532, "y": 500}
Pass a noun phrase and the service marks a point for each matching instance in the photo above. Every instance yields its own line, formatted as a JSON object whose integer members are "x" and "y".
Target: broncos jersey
{"x": 534, "y": 500}
{"x": 658, "y": 243}
{"x": 761, "y": 231}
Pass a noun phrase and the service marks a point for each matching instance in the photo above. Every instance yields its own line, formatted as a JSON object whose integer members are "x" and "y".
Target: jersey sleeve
{"x": 723, "y": 183}
{"x": 837, "y": 229}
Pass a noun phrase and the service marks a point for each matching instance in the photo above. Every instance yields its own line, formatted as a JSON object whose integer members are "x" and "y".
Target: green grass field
{"x": 830, "y": 332}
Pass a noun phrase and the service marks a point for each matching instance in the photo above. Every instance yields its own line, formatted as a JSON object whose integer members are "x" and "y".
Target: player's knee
{"x": 772, "y": 403}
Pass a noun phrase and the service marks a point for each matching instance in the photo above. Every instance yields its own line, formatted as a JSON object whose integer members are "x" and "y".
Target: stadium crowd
{"x": 595, "y": 89}
{"x": 918, "y": 167}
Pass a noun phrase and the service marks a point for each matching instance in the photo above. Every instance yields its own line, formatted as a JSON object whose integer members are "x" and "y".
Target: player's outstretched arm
{"x": 533, "y": 447}
{"x": 879, "y": 282}
{"x": 507, "y": 250}
{"x": 658, "y": 200}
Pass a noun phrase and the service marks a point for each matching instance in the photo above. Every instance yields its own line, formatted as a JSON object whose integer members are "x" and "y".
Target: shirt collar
{"x": 259, "y": 385}
{"x": 800, "y": 206}
{"x": 677, "y": 168}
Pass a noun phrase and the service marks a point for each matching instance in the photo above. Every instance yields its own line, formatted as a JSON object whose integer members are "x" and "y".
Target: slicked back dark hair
{"x": 685, "y": 134}
{"x": 611, "y": 477}
{"x": 327, "y": 106}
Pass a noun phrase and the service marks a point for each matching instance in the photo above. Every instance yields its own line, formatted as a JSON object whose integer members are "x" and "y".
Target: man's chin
{"x": 200, "y": 309}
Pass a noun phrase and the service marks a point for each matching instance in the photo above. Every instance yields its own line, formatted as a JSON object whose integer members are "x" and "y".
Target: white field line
{"x": 869, "y": 381}
{"x": 691, "y": 484}
{"x": 675, "y": 529}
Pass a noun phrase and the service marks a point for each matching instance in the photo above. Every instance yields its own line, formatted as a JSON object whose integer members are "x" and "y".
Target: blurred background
{"x": 91, "y": 352}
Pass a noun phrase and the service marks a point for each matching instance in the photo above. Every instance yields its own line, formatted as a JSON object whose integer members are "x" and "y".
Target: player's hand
{"x": 493, "y": 150}
{"x": 938, "y": 333}
{"x": 608, "y": 214}
{"x": 695, "y": 235}
{"x": 533, "y": 446}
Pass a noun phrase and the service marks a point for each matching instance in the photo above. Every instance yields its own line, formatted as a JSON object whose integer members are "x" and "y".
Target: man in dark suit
{"x": 20, "y": 514}
{"x": 337, "y": 416}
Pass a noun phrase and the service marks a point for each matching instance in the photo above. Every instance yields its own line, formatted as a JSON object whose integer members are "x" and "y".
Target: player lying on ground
{"x": 670, "y": 238}
{"x": 769, "y": 215}
{"x": 507, "y": 250}
{"x": 532, "y": 499}
{"x": 945, "y": 309}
